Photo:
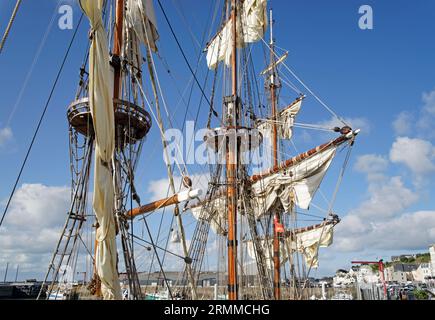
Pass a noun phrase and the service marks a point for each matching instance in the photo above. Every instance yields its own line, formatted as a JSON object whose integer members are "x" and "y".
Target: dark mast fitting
{"x": 232, "y": 121}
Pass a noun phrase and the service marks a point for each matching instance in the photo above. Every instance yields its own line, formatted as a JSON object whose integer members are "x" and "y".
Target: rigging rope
{"x": 308, "y": 89}
{"x": 185, "y": 58}
{"x": 8, "y": 28}
{"x": 41, "y": 119}
{"x": 337, "y": 186}
{"x": 32, "y": 67}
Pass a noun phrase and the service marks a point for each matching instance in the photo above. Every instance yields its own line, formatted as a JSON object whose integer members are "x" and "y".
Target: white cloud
{"x": 6, "y": 136}
{"x": 403, "y": 123}
{"x": 159, "y": 188}
{"x": 429, "y": 102}
{"x": 32, "y": 227}
{"x": 355, "y": 123}
{"x": 372, "y": 164}
{"x": 421, "y": 122}
{"x": 410, "y": 231}
{"x": 387, "y": 197}
{"x": 417, "y": 154}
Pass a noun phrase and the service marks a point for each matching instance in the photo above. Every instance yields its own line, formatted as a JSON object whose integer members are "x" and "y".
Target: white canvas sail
{"x": 215, "y": 211}
{"x": 251, "y": 25}
{"x": 285, "y": 122}
{"x": 309, "y": 241}
{"x": 101, "y": 105}
{"x": 299, "y": 182}
{"x": 141, "y": 18}
{"x": 306, "y": 243}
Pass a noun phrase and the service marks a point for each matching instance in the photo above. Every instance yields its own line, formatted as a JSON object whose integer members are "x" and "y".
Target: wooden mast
{"x": 231, "y": 166}
{"x": 117, "y": 47}
{"x": 277, "y": 218}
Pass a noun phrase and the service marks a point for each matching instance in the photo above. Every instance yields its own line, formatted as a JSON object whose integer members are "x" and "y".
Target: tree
{"x": 421, "y": 295}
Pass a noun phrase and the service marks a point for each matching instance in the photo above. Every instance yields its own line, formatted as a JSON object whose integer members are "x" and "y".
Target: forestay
{"x": 101, "y": 105}
{"x": 251, "y": 26}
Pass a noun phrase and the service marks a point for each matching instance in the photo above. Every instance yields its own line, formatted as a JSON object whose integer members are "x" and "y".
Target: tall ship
{"x": 246, "y": 212}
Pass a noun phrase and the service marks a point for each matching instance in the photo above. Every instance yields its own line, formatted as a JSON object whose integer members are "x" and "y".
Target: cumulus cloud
{"x": 403, "y": 123}
{"x": 410, "y": 231}
{"x": 387, "y": 198}
{"x": 372, "y": 164}
{"x": 6, "y": 136}
{"x": 421, "y": 122}
{"x": 429, "y": 102}
{"x": 416, "y": 154}
{"x": 158, "y": 189}
{"x": 32, "y": 227}
{"x": 355, "y": 123}
{"x": 383, "y": 221}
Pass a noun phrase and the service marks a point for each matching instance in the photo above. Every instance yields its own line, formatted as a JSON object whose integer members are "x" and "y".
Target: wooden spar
{"x": 272, "y": 66}
{"x": 277, "y": 218}
{"x": 117, "y": 46}
{"x": 290, "y": 233}
{"x": 301, "y": 157}
{"x": 175, "y": 199}
{"x": 231, "y": 167}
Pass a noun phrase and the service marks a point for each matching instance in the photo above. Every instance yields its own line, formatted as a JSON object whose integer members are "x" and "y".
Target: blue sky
{"x": 380, "y": 79}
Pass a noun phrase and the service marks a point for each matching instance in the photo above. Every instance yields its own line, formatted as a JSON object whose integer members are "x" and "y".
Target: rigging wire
{"x": 308, "y": 89}
{"x": 186, "y": 60}
{"x": 158, "y": 247}
{"x": 331, "y": 204}
{"x": 41, "y": 119}
{"x": 8, "y": 28}
{"x": 32, "y": 67}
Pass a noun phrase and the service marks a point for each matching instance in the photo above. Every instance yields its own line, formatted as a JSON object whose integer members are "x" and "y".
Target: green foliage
{"x": 407, "y": 260}
{"x": 423, "y": 258}
{"x": 421, "y": 295}
{"x": 374, "y": 267}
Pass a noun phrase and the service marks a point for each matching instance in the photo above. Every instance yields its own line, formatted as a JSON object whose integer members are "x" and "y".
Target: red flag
{"x": 279, "y": 228}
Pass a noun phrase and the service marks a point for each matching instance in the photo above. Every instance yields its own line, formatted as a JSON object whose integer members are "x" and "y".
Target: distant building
{"x": 365, "y": 274}
{"x": 422, "y": 273}
{"x": 343, "y": 279}
{"x": 432, "y": 259}
{"x": 400, "y": 272}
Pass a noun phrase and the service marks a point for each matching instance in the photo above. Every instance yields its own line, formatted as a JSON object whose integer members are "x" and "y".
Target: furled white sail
{"x": 267, "y": 248}
{"x": 306, "y": 242}
{"x": 309, "y": 241}
{"x": 141, "y": 18}
{"x": 251, "y": 25}
{"x": 101, "y": 105}
{"x": 299, "y": 182}
{"x": 284, "y": 122}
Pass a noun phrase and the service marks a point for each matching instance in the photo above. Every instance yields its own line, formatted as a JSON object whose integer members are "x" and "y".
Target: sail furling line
{"x": 101, "y": 105}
